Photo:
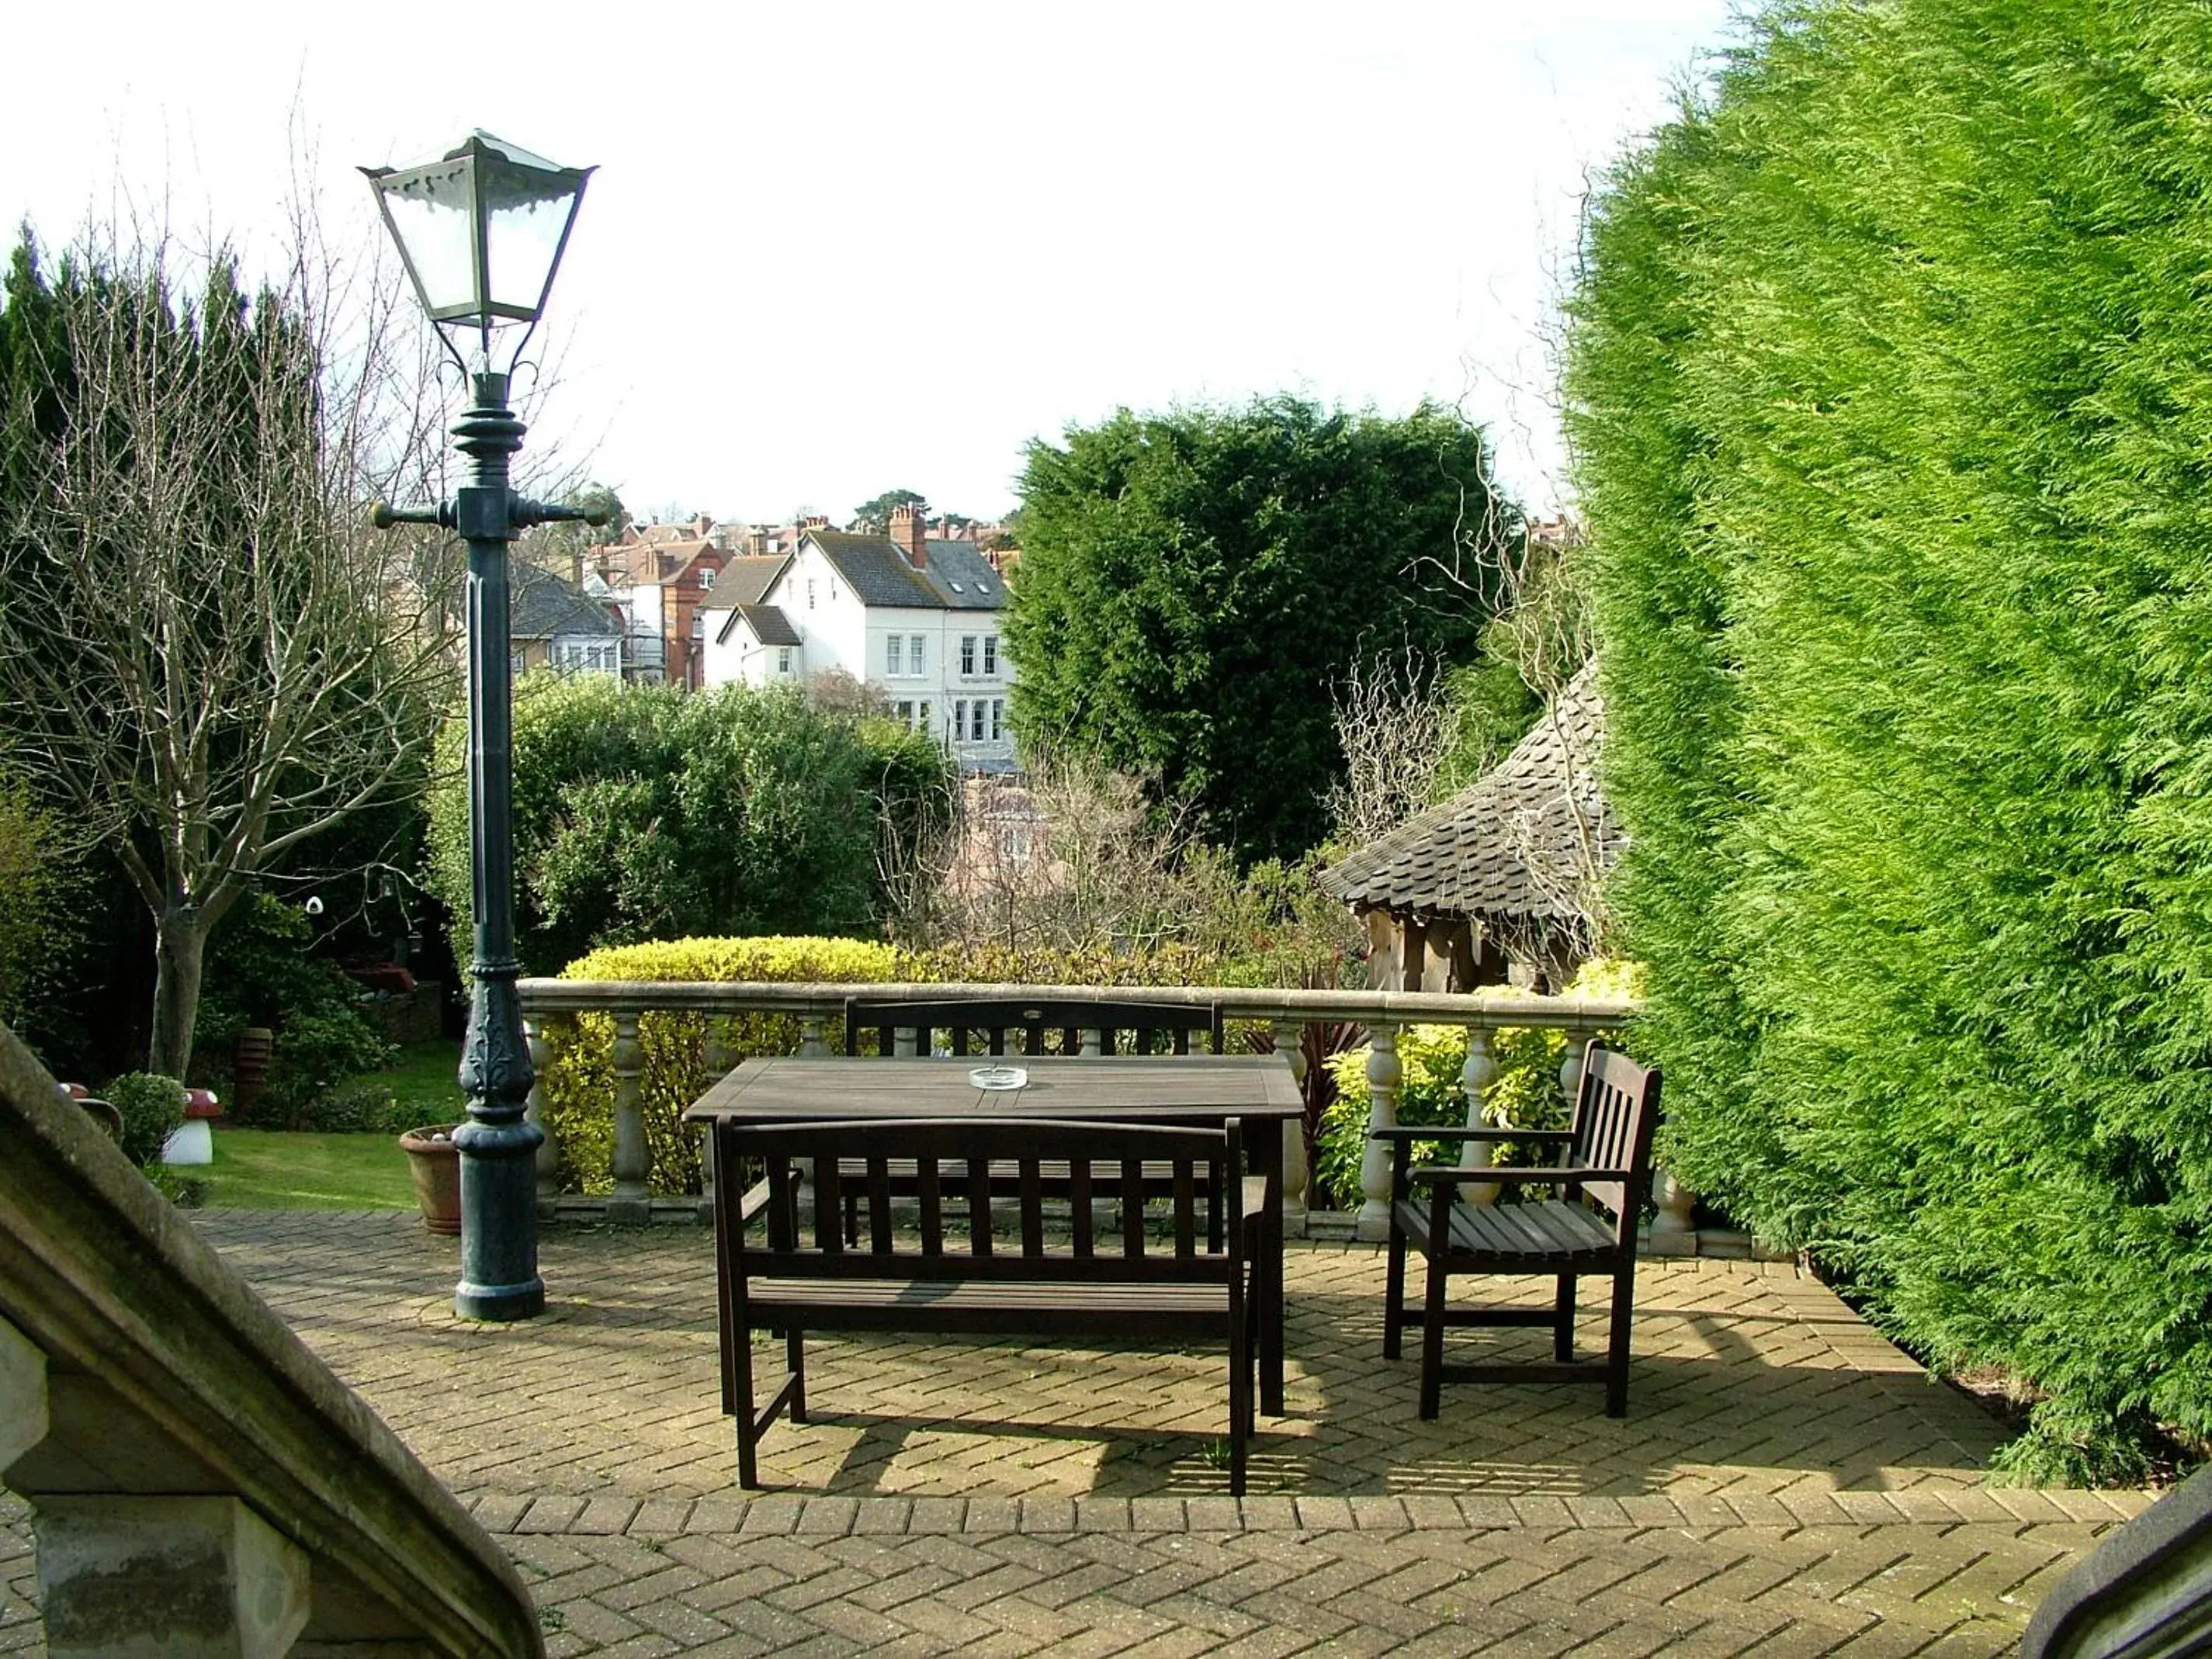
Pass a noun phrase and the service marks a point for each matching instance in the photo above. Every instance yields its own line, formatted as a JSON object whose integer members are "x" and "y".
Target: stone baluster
{"x": 632, "y": 1202}
{"x": 719, "y": 1057}
{"x": 1474, "y": 1080}
{"x": 548, "y": 1151}
{"x": 1570, "y": 1069}
{"x": 1094, "y": 1042}
{"x": 1290, "y": 1042}
{"x": 904, "y": 1043}
{"x": 1383, "y": 1074}
{"x": 811, "y": 1045}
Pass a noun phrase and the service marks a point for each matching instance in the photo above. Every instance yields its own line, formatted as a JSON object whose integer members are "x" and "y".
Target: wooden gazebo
{"x": 1499, "y": 882}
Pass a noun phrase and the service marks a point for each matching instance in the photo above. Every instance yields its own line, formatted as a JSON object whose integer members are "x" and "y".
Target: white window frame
{"x": 998, "y": 719}
{"x": 783, "y": 659}
{"x": 975, "y": 721}
{"x": 894, "y": 656}
{"x": 968, "y": 653}
{"x": 960, "y": 720}
{"x": 990, "y": 653}
{"x": 919, "y": 661}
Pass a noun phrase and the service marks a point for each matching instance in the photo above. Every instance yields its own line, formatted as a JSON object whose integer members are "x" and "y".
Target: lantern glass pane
{"x": 433, "y": 217}
{"x": 528, "y": 220}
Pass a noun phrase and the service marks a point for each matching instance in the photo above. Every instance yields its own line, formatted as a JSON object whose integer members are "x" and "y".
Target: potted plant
{"x": 436, "y": 1163}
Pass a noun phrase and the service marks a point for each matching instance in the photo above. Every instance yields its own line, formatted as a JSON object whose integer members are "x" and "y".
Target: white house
{"x": 915, "y": 619}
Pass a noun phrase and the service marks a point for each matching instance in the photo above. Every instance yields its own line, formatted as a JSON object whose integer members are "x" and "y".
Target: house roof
{"x": 745, "y": 580}
{"x": 769, "y": 625}
{"x": 963, "y": 578}
{"x": 958, "y": 577}
{"x": 541, "y": 606}
{"x": 1519, "y": 843}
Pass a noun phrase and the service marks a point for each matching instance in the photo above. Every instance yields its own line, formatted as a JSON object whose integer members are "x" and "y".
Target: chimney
{"x": 813, "y": 521}
{"x": 755, "y": 544}
{"x": 910, "y": 530}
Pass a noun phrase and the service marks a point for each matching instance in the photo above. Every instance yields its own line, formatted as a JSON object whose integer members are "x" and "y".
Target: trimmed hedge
{"x": 578, "y": 1088}
{"x": 1891, "y": 383}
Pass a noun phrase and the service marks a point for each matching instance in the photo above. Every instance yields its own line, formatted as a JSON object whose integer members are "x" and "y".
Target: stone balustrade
{"x": 1286, "y": 1012}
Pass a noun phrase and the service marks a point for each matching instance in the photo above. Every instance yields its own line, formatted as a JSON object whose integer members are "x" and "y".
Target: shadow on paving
{"x": 1747, "y": 1380}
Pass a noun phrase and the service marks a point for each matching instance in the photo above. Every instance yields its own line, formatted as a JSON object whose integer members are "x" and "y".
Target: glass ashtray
{"x": 998, "y": 1076}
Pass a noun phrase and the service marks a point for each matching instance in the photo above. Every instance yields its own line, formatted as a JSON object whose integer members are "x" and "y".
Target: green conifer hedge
{"x": 1891, "y": 386}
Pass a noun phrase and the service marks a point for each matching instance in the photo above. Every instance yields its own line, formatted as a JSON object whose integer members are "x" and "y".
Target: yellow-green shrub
{"x": 1432, "y": 1059}
{"x": 578, "y": 1088}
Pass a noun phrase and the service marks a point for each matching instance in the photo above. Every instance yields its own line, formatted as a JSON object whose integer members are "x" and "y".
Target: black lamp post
{"x": 481, "y": 232}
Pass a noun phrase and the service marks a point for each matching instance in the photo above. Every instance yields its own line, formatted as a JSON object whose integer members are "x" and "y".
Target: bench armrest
{"x": 1443, "y": 1132}
{"x": 1507, "y": 1176}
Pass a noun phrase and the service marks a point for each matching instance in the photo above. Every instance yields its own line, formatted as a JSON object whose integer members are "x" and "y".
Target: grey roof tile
{"x": 769, "y": 625}
{"x": 874, "y": 568}
{"x": 1516, "y": 844}
{"x": 541, "y": 606}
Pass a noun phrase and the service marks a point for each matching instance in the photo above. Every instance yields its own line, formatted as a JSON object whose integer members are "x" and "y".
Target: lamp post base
{"x": 500, "y": 1303}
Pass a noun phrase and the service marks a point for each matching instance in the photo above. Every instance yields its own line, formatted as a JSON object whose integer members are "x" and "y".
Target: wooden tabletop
{"x": 1123, "y": 1086}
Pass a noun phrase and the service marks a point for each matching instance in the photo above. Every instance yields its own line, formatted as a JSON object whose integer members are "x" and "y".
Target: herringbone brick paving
{"x": 1786, "y": 1482}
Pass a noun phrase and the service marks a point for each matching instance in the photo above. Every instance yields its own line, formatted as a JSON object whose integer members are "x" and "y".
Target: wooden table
{"x": 1200, "y": 1089}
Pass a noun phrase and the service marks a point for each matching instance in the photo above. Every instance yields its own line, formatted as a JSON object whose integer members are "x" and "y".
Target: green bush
{"x": 261, "y": 971}
{"x": 1888, "y": 381}
{"x": 152, "y": 1108}
{"x": 645, "y": 811}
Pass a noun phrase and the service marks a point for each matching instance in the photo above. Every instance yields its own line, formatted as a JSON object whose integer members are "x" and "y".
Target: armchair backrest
{"x": 1615, "y": 1114}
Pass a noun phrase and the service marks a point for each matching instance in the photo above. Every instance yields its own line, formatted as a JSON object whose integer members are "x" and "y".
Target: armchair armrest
{"x": 1443, "y": 1132}
{"x": 754, "y": 1201}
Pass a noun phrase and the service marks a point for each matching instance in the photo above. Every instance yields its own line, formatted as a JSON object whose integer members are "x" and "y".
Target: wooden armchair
{"x": 1586, "y": 1228}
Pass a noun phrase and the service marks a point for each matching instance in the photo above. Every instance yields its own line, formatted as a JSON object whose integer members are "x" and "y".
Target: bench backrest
{"x": 1615, "y": 1114}
{"x": 978, "y": 1026}
{"x": 952, "y": 1159}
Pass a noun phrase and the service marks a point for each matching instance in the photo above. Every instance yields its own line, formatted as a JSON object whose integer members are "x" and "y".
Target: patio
{"x": 1787, "y": 1482}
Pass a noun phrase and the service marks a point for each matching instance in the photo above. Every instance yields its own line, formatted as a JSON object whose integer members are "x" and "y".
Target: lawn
{"x": 272, "y": 1169}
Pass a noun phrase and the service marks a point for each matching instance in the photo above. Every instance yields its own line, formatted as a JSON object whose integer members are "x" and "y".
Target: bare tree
{"x": 208, "y": 658}
{"x": 1394, "y": 721}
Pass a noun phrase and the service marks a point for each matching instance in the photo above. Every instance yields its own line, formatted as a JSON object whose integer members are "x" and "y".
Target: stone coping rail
{"x": 200, "y": 1481}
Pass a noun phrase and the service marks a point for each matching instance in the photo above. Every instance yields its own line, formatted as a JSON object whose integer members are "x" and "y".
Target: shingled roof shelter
{"x": 1495, "y": 882}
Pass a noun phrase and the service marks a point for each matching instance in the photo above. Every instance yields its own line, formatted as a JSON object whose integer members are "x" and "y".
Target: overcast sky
{"x": 837, "y": 248}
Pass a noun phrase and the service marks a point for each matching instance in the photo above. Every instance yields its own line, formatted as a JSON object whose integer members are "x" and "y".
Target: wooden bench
{"x": 988, "y": 1027}
{"x": 1588, "y": 1228}
{"x": 959, "y": 1278}
{"x": 982, "y": 1026}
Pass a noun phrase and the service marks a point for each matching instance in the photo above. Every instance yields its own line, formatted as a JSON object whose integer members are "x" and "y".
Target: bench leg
{"x": 1563, "y": 1329}
{"x": 1616, "y": 1362}
{"x": 1242, "y": 1418}
{"x": 748, "y": 1464}
{"x": 794, "y": 1353}
{"x": 1432, "y": 1342}
{"x": 1393, "y": 1293}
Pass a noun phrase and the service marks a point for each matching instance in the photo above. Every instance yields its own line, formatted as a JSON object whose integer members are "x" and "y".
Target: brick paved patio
{"x": 1786, "y": 1482}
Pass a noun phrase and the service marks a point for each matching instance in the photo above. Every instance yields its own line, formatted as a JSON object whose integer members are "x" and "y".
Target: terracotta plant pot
{"x": 436, "y": 1163}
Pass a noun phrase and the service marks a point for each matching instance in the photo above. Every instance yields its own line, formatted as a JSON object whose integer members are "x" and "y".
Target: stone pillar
{"x": 548, "y": 1152}
{"x": 632, "y": 1203}
{"x": 1094, "y": 1043}
{"x": 184, "y": 1577}
{"x": 811, "y": 1043}
{"x": 1671, "y": 1232}
{"x": 23, "y": 1419}
{"x": 1290, "y": 1042}
{"x": 719, "y": 1057}
{"x": 1383, "y": 1075}
{"x": 1474, "y": 1080}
